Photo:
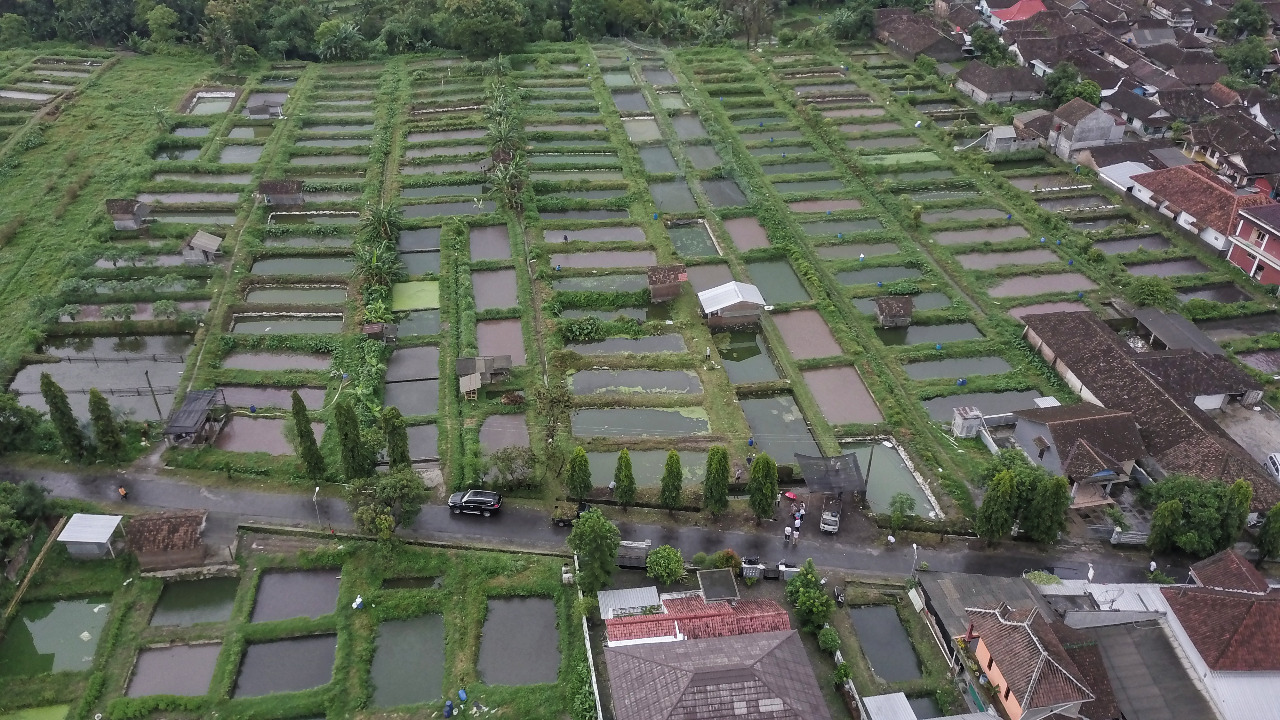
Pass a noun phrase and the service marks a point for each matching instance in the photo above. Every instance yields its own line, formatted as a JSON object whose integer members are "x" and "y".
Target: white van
{"x": 1273, "y": 466}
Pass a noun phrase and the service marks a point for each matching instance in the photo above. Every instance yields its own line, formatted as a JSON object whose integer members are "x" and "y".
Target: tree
{"x": 356, "y": 460}
{"x": 1246, "y": 58}
{"x": 17, "y": 423}
{"x": 672, "y": 482}
{"x": 829, "y": 639}
{"x": 1045, "y": 514}
{"x": 812, "y": 603}
{"x": 762, "y": 487}
{"x": 1246, "y": 17}
{"x": 1235, "y": 514}
{"x": 756, "y": 16}
{"x": 1151, "y": 291}
{"x": 74, "y": 443}
{"x": 512, "y": 468}
{"x": 381, "y": 504}
{"x": 577, "y": 481}
{"x": 308, "y": 451}
{"x": 397, "y": 439}
{"x": 1089, "y": 91}
{"x": 105, "y": 430}
{"x": 852, "y": 23}
{"x": 715, "y": 486}
{"x": 999, "y": 508}
{"x": 986, "y": 43}
{"x": 381, "y": 222}
{"x": 665, "y": 564}
{"x": 624, "y": 480}
{"x": 595, "y": 541}
{"x": 588, "y": 18}
{"x": 160, "y": 23}
{"x": 1211, "y": 514}
{"x": 483, "y": 28}
{"x": 1166, "y": 526}
{"x": 13, "y": 31}
{"x": 1269, "y": 535}
{"x": 900, "y": 506}
{"x": 1060, "y": 84}
{"x": 339, "y": 40}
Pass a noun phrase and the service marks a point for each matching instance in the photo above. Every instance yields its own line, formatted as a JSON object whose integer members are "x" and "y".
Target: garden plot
{"x": 259, "y": 434}
{"x": 842, "y": 396}
{"x": 118, "y": 366}
{"x": 779, "y": 428}
{"x": 183, "y": 670}
{"x": 501, "y": 337}
{"x": 745, "y": 356}
{"x": 806, "y": 335}
{"x": 640, "y": 422}
{"x": 931, "y": 334}
{"x": 988, "y": 403}
{"x": 1019, "y": 285}
{"x": 282, "y": 666}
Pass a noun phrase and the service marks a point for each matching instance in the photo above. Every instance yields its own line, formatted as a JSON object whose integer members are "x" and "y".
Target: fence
{"x": 586, "y": 639}
{"x": 122, "y": 358}
{"x": 115, "y": 392}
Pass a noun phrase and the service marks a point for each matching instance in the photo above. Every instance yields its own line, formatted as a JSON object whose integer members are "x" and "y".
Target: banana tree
{"x": 381, "y": 222}
{"x": 507, "y": 181}
{"x": 378, "y": 263}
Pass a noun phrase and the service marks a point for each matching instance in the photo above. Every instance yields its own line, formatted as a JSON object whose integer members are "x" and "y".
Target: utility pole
{"x": 147, "y": 375}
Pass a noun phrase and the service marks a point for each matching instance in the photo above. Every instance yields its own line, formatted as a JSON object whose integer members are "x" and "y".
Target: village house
{"x": 1007, "y": 84}
{"x": 1143, "y": 115}
{"x": 1255, "y": 244}
{"x": 1196, "y": 200}
{"x": 1079, "y": 125}
{"x": 89, "y": 537}
{"x": 733, "y": 303}
{"x": 202, "y": 249}
{"x": 910, "y": 35}
{"x": 666, "y": 281}
{"x": 1233, "y": 144}
{"x": 168, "y": 540}
{"x": 128, "y": 214}
{"x": 1093, "y": 447}
{"x": 894, "y": 310}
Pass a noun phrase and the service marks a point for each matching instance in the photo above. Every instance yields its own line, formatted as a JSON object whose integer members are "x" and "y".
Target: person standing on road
{"x": 786, "y": 534}
{"x": 124, "y": 494}
{"x": 795, "y": 536}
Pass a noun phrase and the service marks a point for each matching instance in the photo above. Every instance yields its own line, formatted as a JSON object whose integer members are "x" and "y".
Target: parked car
{"x": 566, "y": 515}
{"x": 1273, "y": 466}
{"x": 477, "y": 502}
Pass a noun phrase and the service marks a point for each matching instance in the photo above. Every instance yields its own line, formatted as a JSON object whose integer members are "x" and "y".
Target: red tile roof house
{"x": 1197, "y": 200}
{"x": 689, "y": 616}
{"x": 1255, "y": 244}
{"x": 1032, "y": 676}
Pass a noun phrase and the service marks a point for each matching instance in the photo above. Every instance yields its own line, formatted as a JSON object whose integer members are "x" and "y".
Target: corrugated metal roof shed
{"x": 889, "y": 707}
{"x": 731, "y": 293}
{"x": 612, "y": 601}
{"x": 84, "y": 528}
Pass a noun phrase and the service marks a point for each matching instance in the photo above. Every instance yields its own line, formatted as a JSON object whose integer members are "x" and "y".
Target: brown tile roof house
{"x": 1229, "y": 570}
{"x": 666, "y": 281}
{"x": 1199, "y": 74}
{"x": 894, "y": 310}
{"x": 168, "y": 540}
{"x": 1181, "y": 437}
{"x": 1087, "y": 656}
{"x": 1198, "y": 192}
{"x": 912, "y": 35}
{"x": 1075, "y": 111}
{"x": 694, "y": 618}
{"x": 281, "y": 192}
{"x": 1222, "y": 96}
{"x": 988, "y": 84}
{"x": 1232, "y": 631}
{"x": 762, "y": 676}
{"x": 1035, "y": 666}
{"x": 1187, "y": 104}
{"x": 1088, "y": 439}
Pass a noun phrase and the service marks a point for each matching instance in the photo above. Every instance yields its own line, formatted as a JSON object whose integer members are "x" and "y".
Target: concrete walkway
{"x": 517, "y": 528}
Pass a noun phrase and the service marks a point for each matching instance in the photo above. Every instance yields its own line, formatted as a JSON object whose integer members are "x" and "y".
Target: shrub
{"x": 666, "y": 565}
{"x": 829, "y": 639}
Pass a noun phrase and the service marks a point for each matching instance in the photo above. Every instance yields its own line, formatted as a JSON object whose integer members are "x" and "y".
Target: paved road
{"x": 517, "y": 528}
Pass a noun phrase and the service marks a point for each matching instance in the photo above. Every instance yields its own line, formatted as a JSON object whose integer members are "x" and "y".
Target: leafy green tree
{"x": 851, "y": 23}
{"x": 1211, "y": 514}
{"x": 1269, "y": 535}
{"x": 1246, "y": 58}
{"x": 588, "y": 18}
{"x": 1151, "y": 291}
{"x": 397, "y": 439}
{"x": 986, "y": 43}
{"x": 1044, "y": 516}
{"x": 999, "y": 508}
{"x": 1060, "y": 84}
{"x": 715, "y": 486}
{"x": 308, "y": 451}
{"x": 577, "y": 481}
{"x": 483, "y": 28}
{"x": 900, "y": 506}
{"x": 160, "y": 23}
{"x": 391, "y": 500}
{"x": 356, "y": 460}
{"x": 338, "y": 40}
{"x": 292, "y": 29}
{"x": 762, "y": 487}
{"x": 1246, "y": 17}
{"x": 13, "y": 31}
{"x": 624, "y": 480}
{"x": 1166, "y": 526}
{"x": 74, "y": 443}
{"x": 812, "y": 603}
{"x": 17, "y": 424}
{"x": 595, "y": 541}
{"x": 106, "y": 432}
{"x": 1235, "y": 514}
{"x": 1089, "y": 91}
{"x": 665, "y": 564}
{"x": 829, "y": 639}
{"x": 672, "y": 482}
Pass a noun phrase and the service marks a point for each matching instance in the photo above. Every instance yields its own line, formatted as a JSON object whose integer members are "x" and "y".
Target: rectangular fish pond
{"x": 622, "y": 233}
{"x": 806, "y": 334}
{"x": 618, "y": 345}
{"x": 184, "y": 670}
{"x": 517, "y": 630}
{"x": 981, "y": 235}
{"x": 1222, "y": 292}
{"x": 191, "y": 602}
{"x": 887, "y": 474}
{"x": 1168, "y": 268}
{"x": 259, "y": 434}
{"x": 602, "y": 283}
{"x": 413, "y": 397}
{"x": 724, "y": 192}
{"x": 778, "y": 283}
{"x": 990, "y": 403}
{"x": 919, "y": 334}
{"x": 987, "y": 261}
{"x": 885, "y": 643}
{"x": 300, "y": 295}
{"x": 842, "y": 396}
{"x": 494, "y": 289}
{"x": 604, "y": 259}
{"x": 691, "y": 240}
{"x": 640, "y": 422}
{"x": 283, "y": 666}
{"x": 490, "y": 242}
{"x": 408, "y": 661}
{"x": 872, "y": 276}
{"x": 1154, "y": 243}
{"x": 1038, "y": 284}
{"x": 647, "y": 466}
{"x": 286, "y": 324}
{"x": 634, "y": 382}
{"x": 957, "y": 368}
{"x": 779, "y": 428}
{"x": 501, "y": 337}
{"x": 286, "y": 594}
{"x": 275, "y": 361}
{"x": 303, "y": 266}
{"x": 53, "y": 636}
{"x": 745, "y": 356}
{"x": 921, "y": 301}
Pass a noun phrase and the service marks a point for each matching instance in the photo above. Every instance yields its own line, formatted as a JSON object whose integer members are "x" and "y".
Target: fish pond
{"x": 286, "y": 666}
{"x": 408, "y": 661}
{"x": 885, "y": 643}
{"x": 184, "y": 670}
{"x": 640, "y": 422}
{"x": 192, "y": 602}
{"x": 516, "y": 630}
{"x": 53, "y": 636}
{"x": 634, "y": 382}
{"x": 778, "y": 283}
{"x": 919, "y": 334}
{"x": 745, "y": 356}
{"x": 842, "y": 396}
{"x": 940, "y": 409}
{"x": 779, "y": 428}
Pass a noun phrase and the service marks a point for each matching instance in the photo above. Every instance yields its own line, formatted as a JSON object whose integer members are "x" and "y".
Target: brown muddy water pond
{"x": 941, "y": 409}
{"x": 264, "y": 396}
{"x": 1267, "y": 361}
{"x": 705, "y": 277}
{"x": 987, "y": 261}
{"x": 724, "y": 193}
{"x": 501, "y": 337}
{"x": 275, "y": 361}
{"x": 746, "y": 233}
{"x": 1035, "y": 183}
{"x": 844, "y": 252}
{"x": 964, "y": 214}
{"x": 931, "y": 334}
{"x": 286, "y": 594}
{"x": 515, "y": 631}
{"x": 499, "y": 431}
{"x": 1041, "y": 308}
{"x": 992, "y": 235}
{"x": 1242, "y": 327}
{"x": 806, "y": 334}
{"x": 813, "y": 206}
{"x": 842, "y": 396}
{"x": 624, "y": 233}
{"x": 490, "y": 242}
{"x": 1223, "y": 293}
{"x": 618, "y": 345}
{"x": 414, "y": 363}
{"x": 1038, "y": 284}
{"x": 257, "y": 434}
{"x": 603, "y": 259}
{"x": 284, "y": 666}
{"x": 494, "y": 289}
{"x": 183, "y": 670}
{"x": 956, "y": 368}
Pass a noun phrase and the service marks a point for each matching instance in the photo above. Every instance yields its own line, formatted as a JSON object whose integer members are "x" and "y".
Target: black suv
{"x": 479, "y": 502}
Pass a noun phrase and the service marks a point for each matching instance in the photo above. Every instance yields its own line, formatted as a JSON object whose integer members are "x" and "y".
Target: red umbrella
{"x": 790, "y": 495}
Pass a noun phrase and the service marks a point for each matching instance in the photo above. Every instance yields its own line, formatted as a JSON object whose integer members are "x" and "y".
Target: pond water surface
{"x": 778, "y": 283}
{"x": 190, "y": 602}
{"x": 275, "y": 361}
{"x": 673, "y": 197}
{"x": 1223, "y": 293}
{"x": 1168, "y": 268}
{"x": 813, "y": 206}
{"x": 633, "y": 382}
{"x": 917, "y": 334}
{"x": 501, "y": 337}
{"x": 499, "y": 431}
{"x": 413, "y": 397}
{"x": 596, "y": 234}
{"x": 286, "y": 666}
{"x": 297, "y": 296}
{"x": 987, "y": 261}
{"x": 746, "y": 233}
{"x": 494, "y": 289}
{"x": 490, "y": 242}
{"x": 808, "y": 186}
{"x": 286, "y": 324}
{"x": 408, "y": 661}
{"x": 1154, "y": 243}
{"x": 517, "y": 630}
{"x": 1038, "y": 284}
{"x": 779, "y": 428}
{"x": 183, "y": 670}
{"x": 872, "y": 276}
{"x": 601, "y": 283}
{"x": 640, "y": 422}
{"x": 703, "y": 157}
{"x": 1242, "y": 327}
{"x": 724, "y": 193}
{"x": 647, "y": 466}
{"x": 303, "y": 266}
{"x": 745, "y": 356}
{"x": 604, "y": 259}
{"x": 53, "y": 636}
{"x": 619, "y": 345}
{"x": 259, "y": 434}
{"x": 956, "y": 368}
{"x": 285, "y": 594}
{"x": 691, "y": 240}
{"x": 265, "y": 396}
{"x": 688, "y": 127}
{"x": 842, "y": 396}
{"x": 806, "y": 334}
{"x": 885, "y": 643}
{"x": 887, "y": 474}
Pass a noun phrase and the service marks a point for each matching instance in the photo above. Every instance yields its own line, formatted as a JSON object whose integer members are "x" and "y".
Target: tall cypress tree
{"x": 72, "y": 437}
{"x": 715, "y": 487}
{"x": 624, "y": 480}
{"x": 105, "y": 430}
{"x": 355, "y": 459}
{"x": 672, "y": 482}
{"x": 397, "y": 439}
{"x": 578, "y": 480}
{"x": 312, "y": 460}
{"x": 762, "y": 487}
